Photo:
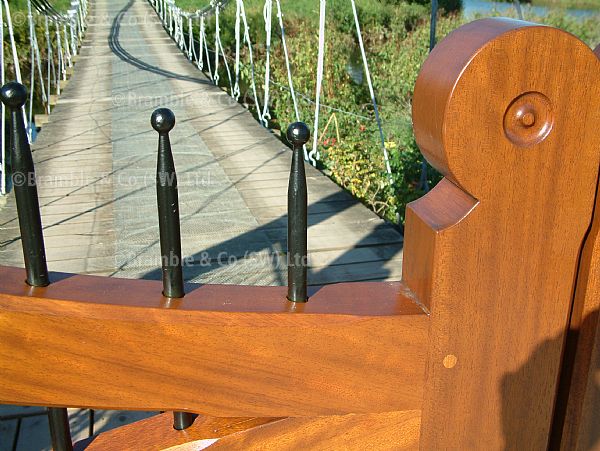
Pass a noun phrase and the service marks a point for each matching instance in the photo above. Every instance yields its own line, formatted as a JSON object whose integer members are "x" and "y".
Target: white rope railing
{"x": 314, "y": 154}
{"x": 267, "y": 14}
{"x": 168, "y": 12}
{"x": 371, "y": 91}
{"x": 63, "y": 34}
{"x": 288, "y": 69}
{"x": 3, "y": 164}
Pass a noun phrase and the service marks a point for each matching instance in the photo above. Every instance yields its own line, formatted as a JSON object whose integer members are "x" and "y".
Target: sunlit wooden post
{"x": 14, "y": 96}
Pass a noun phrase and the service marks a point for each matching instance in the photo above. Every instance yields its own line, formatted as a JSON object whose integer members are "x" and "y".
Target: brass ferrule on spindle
{"x": 297, "y": 243}
{"x": 163, "y": 121}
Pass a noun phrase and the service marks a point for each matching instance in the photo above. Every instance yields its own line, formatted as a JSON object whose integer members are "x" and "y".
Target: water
{"x": 472, "y": 7}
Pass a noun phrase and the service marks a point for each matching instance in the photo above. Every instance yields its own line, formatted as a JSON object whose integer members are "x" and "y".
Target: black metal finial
{"x": 163, "y": 121}
{"x": 298, "y": 135}
{"x": 14, "y": 95}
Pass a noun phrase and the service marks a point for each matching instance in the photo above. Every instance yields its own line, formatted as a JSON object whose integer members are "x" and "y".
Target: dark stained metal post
{"x": 163, "y": 121}
{"x": 59, "y": 429}
{"x": 298, "y": 135}
{"x": 14, "y": 96}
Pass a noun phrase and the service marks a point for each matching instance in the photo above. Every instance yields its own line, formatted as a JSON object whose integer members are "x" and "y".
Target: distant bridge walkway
{"x": 96, "y": 162}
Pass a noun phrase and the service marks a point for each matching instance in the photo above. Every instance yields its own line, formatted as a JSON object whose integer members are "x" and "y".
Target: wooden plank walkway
{"x": 96, "y": 160}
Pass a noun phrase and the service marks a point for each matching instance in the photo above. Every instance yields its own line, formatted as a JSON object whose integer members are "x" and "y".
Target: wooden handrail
{"x": 222, "y": 351}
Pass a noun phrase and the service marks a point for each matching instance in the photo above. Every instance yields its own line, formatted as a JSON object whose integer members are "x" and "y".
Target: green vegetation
{"x": 18, "y": 12}
{"x": 578, "y": 4}
{"x": 396, "y": 37}
{"x": 21, "y": 5}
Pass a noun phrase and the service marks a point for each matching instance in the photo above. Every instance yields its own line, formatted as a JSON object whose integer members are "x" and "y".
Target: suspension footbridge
{"x": 95, "y": 162}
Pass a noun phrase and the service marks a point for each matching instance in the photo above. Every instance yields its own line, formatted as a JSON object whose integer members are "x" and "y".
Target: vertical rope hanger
{"x": 267, "y": 14}
{"x": 203, "y": 30}
{"x": 289, "y": 71}
{"x": 13, "y": 46}
{"x": 40, "y": 72}
{"x": 236, "y": 86}
{"x": 51, "y": 69}
{"x": 217, "y": 32}
{"x": 191, "y": 46}
{"x": 314, "y": 155}
{"x": 371, "y": 91}
{"x": 67, "y": 47}
{"x": 220, "y": 49}
{"x": 200, "y": 58}
{"x": 2, "y": 110}
{"x": 250, "y": 56}
{"x": 32, "y": 71}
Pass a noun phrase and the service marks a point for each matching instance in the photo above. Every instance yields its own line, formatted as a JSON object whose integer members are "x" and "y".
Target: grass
{"x": 21, "y": 5}
{"x": 574, "y": 4}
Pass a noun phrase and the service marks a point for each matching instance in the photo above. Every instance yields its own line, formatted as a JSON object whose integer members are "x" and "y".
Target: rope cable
{"x": 371, "y": 91}
{"x": 267, "y": 15}
{"x": 217, "y": 32}
{"x": 2, "y": 110}
{"x": 289, "y": 71}
{"x": 236, "y": 87}
{"x": 313, "y": 155}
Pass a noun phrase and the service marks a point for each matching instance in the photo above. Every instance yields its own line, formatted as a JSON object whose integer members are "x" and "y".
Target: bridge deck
{"x": 96, "y": 160}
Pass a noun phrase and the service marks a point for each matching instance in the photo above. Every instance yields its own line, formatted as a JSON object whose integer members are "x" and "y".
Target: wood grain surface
{"x": 389, "y": 431}
{"x": 508, "y": 112}
{"x": 221, "y": 350}
{"x": 380, "y": 431}
{"x": 157, "y": 433}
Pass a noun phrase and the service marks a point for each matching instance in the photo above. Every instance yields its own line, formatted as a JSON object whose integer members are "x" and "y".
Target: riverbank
{"x": 571, "y": 4}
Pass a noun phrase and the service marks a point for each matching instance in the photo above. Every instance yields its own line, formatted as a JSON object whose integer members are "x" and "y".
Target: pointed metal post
{"x": 298, "y": 134}
{"x": 14, "y": 96}
{"x": 59, "y": 429}
{"x": 163, "y": 121}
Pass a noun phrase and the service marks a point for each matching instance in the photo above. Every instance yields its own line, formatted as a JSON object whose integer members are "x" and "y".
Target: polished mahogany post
{"x": 14, "y": 96}
{"x": 297, "y": 134}
{"x": 163, "y": 121}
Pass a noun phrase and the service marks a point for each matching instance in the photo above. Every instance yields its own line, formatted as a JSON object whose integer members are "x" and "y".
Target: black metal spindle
{"x": 14, "y": 96}
{"x": 59, "y": 429}
{"x": 298, "y": 135}
{"x": 163, "y": 121}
